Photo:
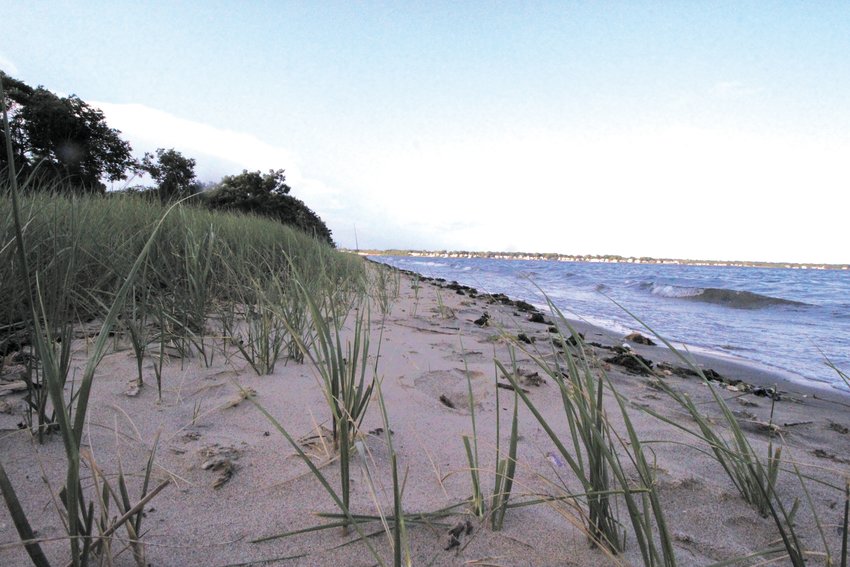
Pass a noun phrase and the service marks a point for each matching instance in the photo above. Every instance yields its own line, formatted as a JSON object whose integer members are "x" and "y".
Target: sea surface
{"x": 787, "y": 320}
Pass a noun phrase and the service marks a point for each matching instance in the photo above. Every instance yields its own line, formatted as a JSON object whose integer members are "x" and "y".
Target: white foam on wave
{"x": 430, "y": 264}
{"x": 675, "y": 291}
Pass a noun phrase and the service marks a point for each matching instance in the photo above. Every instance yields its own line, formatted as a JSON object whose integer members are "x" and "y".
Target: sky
{"x": 710, "y": 130}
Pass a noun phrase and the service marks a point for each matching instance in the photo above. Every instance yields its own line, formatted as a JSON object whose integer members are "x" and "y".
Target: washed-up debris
{"x": 633, "y": 362}
{"x": 686, "y": 372}
{"x": 822, "y": 454}
{"x": 570, "y": 340}
{"x": 378, "y": 431}
{"x": 794, "y": 423}
{"x": 12, "y": 387}
{"x": 459, "y": 529}
{"x": 766, "y": 393}
{"x": 219, "y": 458}
{"x": 170, "y": 349}
{"x": 537, "y": 317}
{"x": 508, "y": 386}
{"x": 483, "y": 321}
{"x": 133, "y": 388}
{"x": 10, "y": 371}
{"x": 318, "y": 441}
{"x": 639, "y": 339}
{"x": 523, "y": 338}
{"x": 239, "y": 397}
{"x": 446, "y": 401}
{"x": 461, "y": 289}
{"x": 556, "y": 459}
{"x": 532, "y": 379}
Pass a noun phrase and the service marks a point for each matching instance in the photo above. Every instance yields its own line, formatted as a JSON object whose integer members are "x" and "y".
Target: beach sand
{"x": 269, "y": 490}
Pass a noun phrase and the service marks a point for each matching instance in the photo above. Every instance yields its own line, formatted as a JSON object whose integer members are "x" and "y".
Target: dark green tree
{"x": 173, "y": 172}
{"x": 266, "y": 195}
{"x": 63, "y": 139}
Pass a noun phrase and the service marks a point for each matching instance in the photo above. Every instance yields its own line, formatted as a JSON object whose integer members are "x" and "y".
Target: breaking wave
{"x": 728, "y": 297}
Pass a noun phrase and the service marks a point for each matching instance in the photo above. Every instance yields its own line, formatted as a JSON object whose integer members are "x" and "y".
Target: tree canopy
{"x": 63, "y": 139}
{"x": 173, "y": 172}
{"x": 267, "y": 195}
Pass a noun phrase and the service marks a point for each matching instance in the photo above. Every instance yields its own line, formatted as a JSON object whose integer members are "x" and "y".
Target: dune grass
{"x": 114, "y": 265}
{"x": 64, "y": 262}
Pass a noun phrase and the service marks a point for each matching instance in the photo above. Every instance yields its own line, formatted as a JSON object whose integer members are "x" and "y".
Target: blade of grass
{"x": 19, "y": 518}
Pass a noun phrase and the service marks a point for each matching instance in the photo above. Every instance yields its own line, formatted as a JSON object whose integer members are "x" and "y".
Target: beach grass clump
{"x": 260, "y": 332}
{"x": 417, "y": 289}
{"x": 384, "y": 284}
{"x": 70, "y": 414}
{"x": 343, "y": 365}
{"x": 505, "y": 465}
{"x": 590, "y": 447}
{"x": 601, "y": 459}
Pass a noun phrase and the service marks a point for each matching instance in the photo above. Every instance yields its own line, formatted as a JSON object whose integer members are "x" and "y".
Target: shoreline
{"x": 726, "y": 364}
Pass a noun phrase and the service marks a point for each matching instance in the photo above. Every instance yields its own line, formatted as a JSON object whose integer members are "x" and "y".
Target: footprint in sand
{"x": 449, "y": 387}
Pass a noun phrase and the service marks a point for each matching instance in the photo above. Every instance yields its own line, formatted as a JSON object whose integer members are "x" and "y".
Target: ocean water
{"x": 786, "y": 320}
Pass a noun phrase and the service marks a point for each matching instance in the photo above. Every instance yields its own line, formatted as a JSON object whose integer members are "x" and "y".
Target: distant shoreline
{"x": 595, "y": 258}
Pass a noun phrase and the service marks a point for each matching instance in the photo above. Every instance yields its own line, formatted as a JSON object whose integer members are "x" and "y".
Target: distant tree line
{"x": 65, "y": 144}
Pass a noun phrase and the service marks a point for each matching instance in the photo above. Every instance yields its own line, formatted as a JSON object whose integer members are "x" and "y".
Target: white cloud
{"x": 149, "y": 128}
{"x": 218, "y": 151}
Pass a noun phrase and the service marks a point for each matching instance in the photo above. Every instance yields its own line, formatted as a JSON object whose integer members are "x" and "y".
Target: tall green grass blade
{"x": 472, "y": 446}
{"x": 400, "y": 544}
{"x": 19, "y": 518}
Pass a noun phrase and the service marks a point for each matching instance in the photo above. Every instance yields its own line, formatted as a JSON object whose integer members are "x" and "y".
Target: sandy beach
{"x": 233, "y": 478}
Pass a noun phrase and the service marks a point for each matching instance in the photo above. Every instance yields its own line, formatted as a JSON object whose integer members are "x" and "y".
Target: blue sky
{"x": 678, "y": 129}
